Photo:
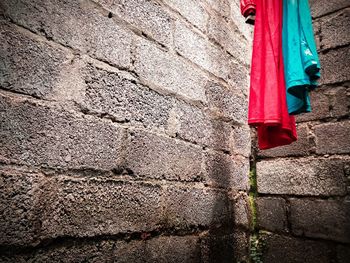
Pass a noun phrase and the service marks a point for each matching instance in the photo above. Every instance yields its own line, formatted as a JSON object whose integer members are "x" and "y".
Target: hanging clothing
{"x": 268, "y": 109}
{"x": 302, "y": 65}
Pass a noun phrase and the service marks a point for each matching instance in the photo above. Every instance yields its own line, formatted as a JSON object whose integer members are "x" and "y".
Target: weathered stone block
{"x": 241, "y": 211}
{"x": 343, "y": 253}
{"x": 147, "y": 16}
{"x": 186, "y": 207}
{"x": 98, "y": 251}
{"x": 340, "y": 101}
{"x": 302, "y": 176}
{"x": 322, "y": 7}
{"x": 320, "y": 103}
{"x": 192, "y": 11}
{"x": 241, "y": 245}
{"x": 303, "y": 146}
{"x": 160, "y": 249}
{"x": 271, "y": 214}
{"x": 169, "y": 72}
{"x": 20, "y": 207}
{"x": 328, "y": 102}
{"x": 99, "y": 206}
{"x": 226, "y": 103}
{"x": 133, "y": 251}
{"x": 12, "y": 258}
{"x": 334, "y": 65}
{"x": 239, "y": 77}
{"x": 326, "y": 219}
{"x": 119, "y": 97}
{"x": 220, "y": 6}
{"x": 293, "y": 250}
{"x": 317, "y": 33}
{"x": 239, "y": 20}
{"x": 241, "y": 140}
{"x": 35, "y": 134}
{"x": 172, "y": 249}
{"x": 193, "y": 124}
{"x": 28, "y": 64}
{"x": 335, "y": 29}
{"x": 338, "y": 142}
{"x": 222, "y": 170}
{"x": 210, "y": 57}
{"x": 226, "y": 34}
{"x": 217, "y": 247}
{"x": 200, "y": 51}
{"x": 154, "y": 156}
{"x": 77, "y": 24}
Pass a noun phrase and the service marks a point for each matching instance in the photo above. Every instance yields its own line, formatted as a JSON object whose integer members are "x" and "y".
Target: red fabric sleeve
{"x": 247, "y": 7}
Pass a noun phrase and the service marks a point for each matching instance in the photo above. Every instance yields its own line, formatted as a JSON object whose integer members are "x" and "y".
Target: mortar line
{"x": 108, "y": 175}
{"x": 326, "y": 120}
{"x": 308, "y": 238}
{"x": 310, "y": 197}
{"x": 313, "y": 156}
{"x": 330, "y": 13}
{"x": 329, "y": 49}
{"x": 62, "y": 241}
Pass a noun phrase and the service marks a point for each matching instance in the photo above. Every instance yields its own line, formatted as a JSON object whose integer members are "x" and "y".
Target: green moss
{"x": 253, "y": 210}
{"x": 257, "y": 243}
{"x": 257, "y": 247}
{"x": 252, "y": 196}
{"x": 252, "y": 181}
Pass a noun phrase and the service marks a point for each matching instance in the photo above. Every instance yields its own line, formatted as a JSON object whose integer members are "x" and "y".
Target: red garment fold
{"x": 247, "y": 7}
{"x": 267, "y": 100}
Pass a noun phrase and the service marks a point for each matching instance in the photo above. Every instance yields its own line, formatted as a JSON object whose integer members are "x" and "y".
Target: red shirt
{"x": 267, "y": 101}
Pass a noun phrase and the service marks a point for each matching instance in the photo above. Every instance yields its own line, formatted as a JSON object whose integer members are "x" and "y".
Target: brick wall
{"x": 123, "y": 133}
{"x": 303, "y": 204}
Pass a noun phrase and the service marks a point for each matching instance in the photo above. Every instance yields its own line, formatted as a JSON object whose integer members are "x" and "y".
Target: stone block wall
{"x": 123, "y": 133}
{"x": 303, "y": 203}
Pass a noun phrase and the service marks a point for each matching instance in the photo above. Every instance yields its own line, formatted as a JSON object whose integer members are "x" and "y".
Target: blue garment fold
{"x": 301, "y": 62}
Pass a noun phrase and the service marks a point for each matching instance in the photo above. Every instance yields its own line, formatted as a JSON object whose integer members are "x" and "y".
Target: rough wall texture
{"x": 123, "y": 132}
{"x": 303, "y": 204}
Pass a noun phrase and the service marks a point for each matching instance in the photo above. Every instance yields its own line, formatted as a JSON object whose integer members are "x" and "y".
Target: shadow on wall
{"x": 218, "y": 244}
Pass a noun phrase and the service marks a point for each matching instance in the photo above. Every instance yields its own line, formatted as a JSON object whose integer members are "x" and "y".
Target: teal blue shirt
{"x": 301, "y": 62}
